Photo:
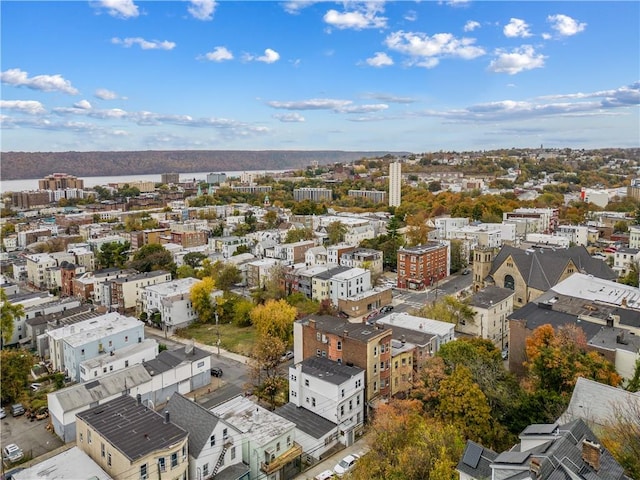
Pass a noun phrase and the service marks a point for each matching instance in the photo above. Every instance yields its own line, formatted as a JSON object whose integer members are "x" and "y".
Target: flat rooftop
{"x": 410, "y": 322}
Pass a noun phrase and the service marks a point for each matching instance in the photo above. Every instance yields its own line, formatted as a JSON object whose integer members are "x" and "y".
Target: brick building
{"x": 423, "y": 265}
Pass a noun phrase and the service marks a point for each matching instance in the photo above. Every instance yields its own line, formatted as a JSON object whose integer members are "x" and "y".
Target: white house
{"x": 443, "y": 331}
{"x": 215, "y": 446}
{"x": 270, "y": 446}
{"x": 492, "y": 306}
{"x": 624, "y": 258}
{"x": 331, "y": 390}
{"x": 349, "y": 283}
{"x": 576, "y": 234}
{"x": 119, "y": 359}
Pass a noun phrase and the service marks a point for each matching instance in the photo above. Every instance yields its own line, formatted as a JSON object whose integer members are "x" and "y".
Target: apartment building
{"x": 126, "y": 293}
{"x": 318, "y": 195}
{"x": 423, "y": 265}
{"x": 492, "y": 307}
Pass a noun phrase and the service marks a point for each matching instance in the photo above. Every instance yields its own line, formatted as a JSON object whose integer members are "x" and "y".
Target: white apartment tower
{"x": 395, "y": 183}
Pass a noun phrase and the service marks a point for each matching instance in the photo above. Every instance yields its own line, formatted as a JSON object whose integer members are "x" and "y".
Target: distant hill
{"x": 23, "y": 165}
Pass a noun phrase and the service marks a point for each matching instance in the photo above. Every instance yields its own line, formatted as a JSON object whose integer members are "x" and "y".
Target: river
{"x": 32, "y": 183}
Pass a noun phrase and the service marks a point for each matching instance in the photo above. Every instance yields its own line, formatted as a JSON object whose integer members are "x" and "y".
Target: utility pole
{"x": 218, "y": 330}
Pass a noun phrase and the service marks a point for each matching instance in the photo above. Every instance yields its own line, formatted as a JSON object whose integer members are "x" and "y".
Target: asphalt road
{"x": 407, "y": 300}
{"x": 30, "y": 436}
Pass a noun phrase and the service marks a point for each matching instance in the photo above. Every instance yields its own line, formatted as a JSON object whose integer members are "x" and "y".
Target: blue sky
{"x": 412, "y": 76}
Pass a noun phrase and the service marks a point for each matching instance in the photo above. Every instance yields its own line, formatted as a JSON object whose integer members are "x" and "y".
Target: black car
{"x": 386, "y": 308}
{"x": 216, "y": 372}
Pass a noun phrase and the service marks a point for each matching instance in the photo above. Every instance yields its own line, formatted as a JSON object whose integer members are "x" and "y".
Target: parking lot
{"x": 31, "y": 436}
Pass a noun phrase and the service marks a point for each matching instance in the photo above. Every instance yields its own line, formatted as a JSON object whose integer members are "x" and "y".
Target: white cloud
{"x": 426, "y": 51}
{"x": 144, "y": 44}
{"x": 516, "y": 28}
{"x": 294, "y": 117}
{"x": 104, "y": 94}
{"x": 83, "y": 104}
{"x": 471, "y": 25}
{"x": 565, "y": 25}
{"x": 380, "y": 59}
{"x": 46, "y": 83}
{"x": 119, "y": 8}
{"x": 389, "y": 98}
{"x": 625, "y": 95}
{"x": 362, "y": 16}
{"x": 270, "y": 56}
{"x": 219, "y": 54}
{"x": 546, "y": 36}
{"x": 516, "y": 61}
{"x": 294, "y": 6}
{"x": 31, "y": 107}
{"x": 411, "y": 16}
{"x": 202, "y": 9}
{"x": 337, "y": 106}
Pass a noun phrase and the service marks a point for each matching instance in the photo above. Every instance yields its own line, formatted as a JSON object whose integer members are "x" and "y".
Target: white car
{"x": 326, "y": 475}
{"x": 12, "y": 452}
{"x": 346, "y": 464}
{"x": 3, "y": 412}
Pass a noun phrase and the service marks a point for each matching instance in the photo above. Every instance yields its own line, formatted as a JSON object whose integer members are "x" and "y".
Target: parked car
{"x": 505, "y": 354}
{"x": 35, "y": 386}
{"x": 288, "y": 355}
{"x": 12, "y": 452}
{"x": 346, "y": 464}
{"x": 17, "y": 410}
{"x": 466, "y": 271}
{"x": 216, "y": 372}
{"x": 386, "y": 308}
{"x": 3, "y": 412}
{"x": 326, "y": 475}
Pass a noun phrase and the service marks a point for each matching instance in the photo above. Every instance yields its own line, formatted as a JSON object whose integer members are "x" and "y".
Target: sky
{"x": 412, "y": 76}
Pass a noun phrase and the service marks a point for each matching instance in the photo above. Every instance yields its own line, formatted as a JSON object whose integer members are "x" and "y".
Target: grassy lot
{"x": 232, "y": 338}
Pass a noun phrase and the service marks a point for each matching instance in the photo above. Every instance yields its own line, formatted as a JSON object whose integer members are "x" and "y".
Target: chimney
{"x": 345, "y": 333}
{"x": 534, "y": 466}
{"x": 312, "y": 324}
{"x": 166, "y": 416}
{"x": 403, "y": 340}
{"x": 139, "y": 399}
{"x": 591, "y": 454}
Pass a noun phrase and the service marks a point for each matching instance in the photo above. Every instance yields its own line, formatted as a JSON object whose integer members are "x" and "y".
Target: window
{"x": 108, "y": 459}
{"x": 205, "y": 470}
{"x": 82, "y": 352}
{"x": 111, "y": 368}
{"x": 294, "y": 378}
{"x": 313, "y": 401}
{"x": 104, "y": 369}
{"x": 233, "y": 453}
{"x": 80, "y": 437}
{"x": 174, "y": 460}
{"x": 201, "y": 364}
{"x": 306, "y": 382}
{"x": 143, "y": 471}
{"x": 375, "y": 386}
{"x": 288, "y": 440}
{"x": 375, "y": 351}
{"x": 278, "y": 447}
{"x": 342, "y": 393}
{"x": 318, "y": 337}
{"x": 126, "y": 363}
{"x": 212, "y": 441}
{"x": 161, "y": 464}
{"x": 225, "y": 434}
{"x": 126, "y": 338}
{"x": 318, "y": 353}
{"x": 341, "y": 410}
{"x": 358, "y": 400}
{"x": 339, "y": 345}
{"x": 111, "y": 345}
{"x": 102, "y": 451}
{"x": 294, "y": 393}
{"x": 324, "y": 354}
{"x": 89, "y": 437}
{"x": 350, "y": 405}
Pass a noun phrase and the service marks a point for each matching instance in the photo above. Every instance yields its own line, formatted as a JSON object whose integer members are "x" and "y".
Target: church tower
{"x": 482, "y": 262}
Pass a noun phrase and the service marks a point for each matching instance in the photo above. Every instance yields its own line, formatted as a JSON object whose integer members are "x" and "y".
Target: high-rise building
{"x": 395, "y": 184}
{"x": 168, "y": 178}
{"x": 60, "y": 181}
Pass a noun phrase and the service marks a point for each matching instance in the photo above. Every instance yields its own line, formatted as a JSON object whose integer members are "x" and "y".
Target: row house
{"x": 423, "y": 265}
{"x": 126, "y": 293}
{"x": 147, "y": 237}
{"x": 37, "y": 265}
{"x": 321, "y": 282}
{"x": 545, "y": 220}
{"x": 363, "y": 258}
{"x": 73, "y": 344}
{"x": 290, "y": 253}
{"x": 259, "y": 272}
{"x": 215, "y": 446}
{"x": 319, "y": 387}
{"x": 348, "y": 343}
{"x": 358, "y": 234}
{"x": 348, "y": 284}
{"x": 316, "y": 256}
{"x": 88, "y": 285}
{"x": 624, "y": 260}
{"x": 129, "y": 440}
{"x": 227, "y": 246}
{"x": 335, "y": 252}
{"x": 27, "y": 237}
{"x": 119, "y": 359}
{"x": 365, "y": 302}
{"x": 576, "y": 234}
{"x": 190, "y": 239}
{"x": 492, "y": 307}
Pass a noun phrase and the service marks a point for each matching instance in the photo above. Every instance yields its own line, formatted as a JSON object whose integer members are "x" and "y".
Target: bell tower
{"x": 482, "y": 262}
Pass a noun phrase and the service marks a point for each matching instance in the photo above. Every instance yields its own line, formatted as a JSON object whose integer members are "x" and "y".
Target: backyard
{"x": 232, "y": 338}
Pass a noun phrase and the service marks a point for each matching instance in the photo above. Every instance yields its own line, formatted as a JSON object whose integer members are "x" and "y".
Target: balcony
{"x": 279, "y": 462}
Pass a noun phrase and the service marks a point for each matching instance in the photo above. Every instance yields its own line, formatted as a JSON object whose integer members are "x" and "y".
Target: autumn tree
{"x": 271, "y": 219}
{"x": 556, "y": 359}
{"x": 621, "y": 436}
{"x": 10, "y": 312}
{"x": 404, "y": 444}
{"x": 417, "y": 231}
{"x": 153, "y": 257}
{"x": 194, "y": 259}
{"x": 205, "y": 304}
{"x": 242, "y": 312}
{"x": 448, "y": 309}
{"x": 275, "y": 318}
{"x": 226, "y": 275}
{"x": 298, "y": 234}
{"x": 268, "y": 382}
{"x": 15, "y": 368}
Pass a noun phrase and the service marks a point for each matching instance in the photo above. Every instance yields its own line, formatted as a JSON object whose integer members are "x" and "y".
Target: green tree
{"x": 632, "y": 277}
{"x": 15, "y": 368}
{"x": 226, "y": 275}
{"x": 153, "y": 257}
{"x": 448, "y": 309}
{"x": 298, "y": 234}
{"x": 634, "y": 382}
{"x": 185, "y": 271}
{"x": 458, "y": 260}
{"x": 271, "y": 219}
{"x": 10, "y": 313}
{"x": 242, "y": 312}
{"x": 113, "y": 254}
{"x": 336, "y": 232}
{"x": 194, "y": 259}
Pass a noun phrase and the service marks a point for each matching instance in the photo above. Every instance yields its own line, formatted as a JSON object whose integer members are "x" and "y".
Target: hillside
{"x": 22, "y": 165}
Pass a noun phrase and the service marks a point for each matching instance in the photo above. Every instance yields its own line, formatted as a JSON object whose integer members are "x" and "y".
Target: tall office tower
{"x": 395, "y": 184}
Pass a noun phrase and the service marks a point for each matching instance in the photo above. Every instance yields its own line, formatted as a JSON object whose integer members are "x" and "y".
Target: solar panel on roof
{"x": 472, "y": 455}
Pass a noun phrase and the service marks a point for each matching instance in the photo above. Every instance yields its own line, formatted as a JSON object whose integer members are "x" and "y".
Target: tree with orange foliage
{"x": 407, "y": 445}
{"x": 556, "y": 359}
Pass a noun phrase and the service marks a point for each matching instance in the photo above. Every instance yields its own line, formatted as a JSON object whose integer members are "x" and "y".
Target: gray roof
{"x": 543, "y": 268}
{"x": 476, "y": 460}
{"x": 535, "y": 315}
{"x": 83, "y": 394}
{"x": 328, "y": 370}
{"x": 597, "y": 404}
{"x": 326, "y": 275}
{"x": 64, "y": 466}
{"x": 489, "y": 296}
{"x": 197, "y": 420}
{"x": 76, "y": 314}
{"x": 132, "y": 428}
{"x": 306, "y": 421}
{"x": 233, "y": 472}
{"x": 169, "y": 359}
{"x": 412, "y": 336}
{"x": 338, "y": 326}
